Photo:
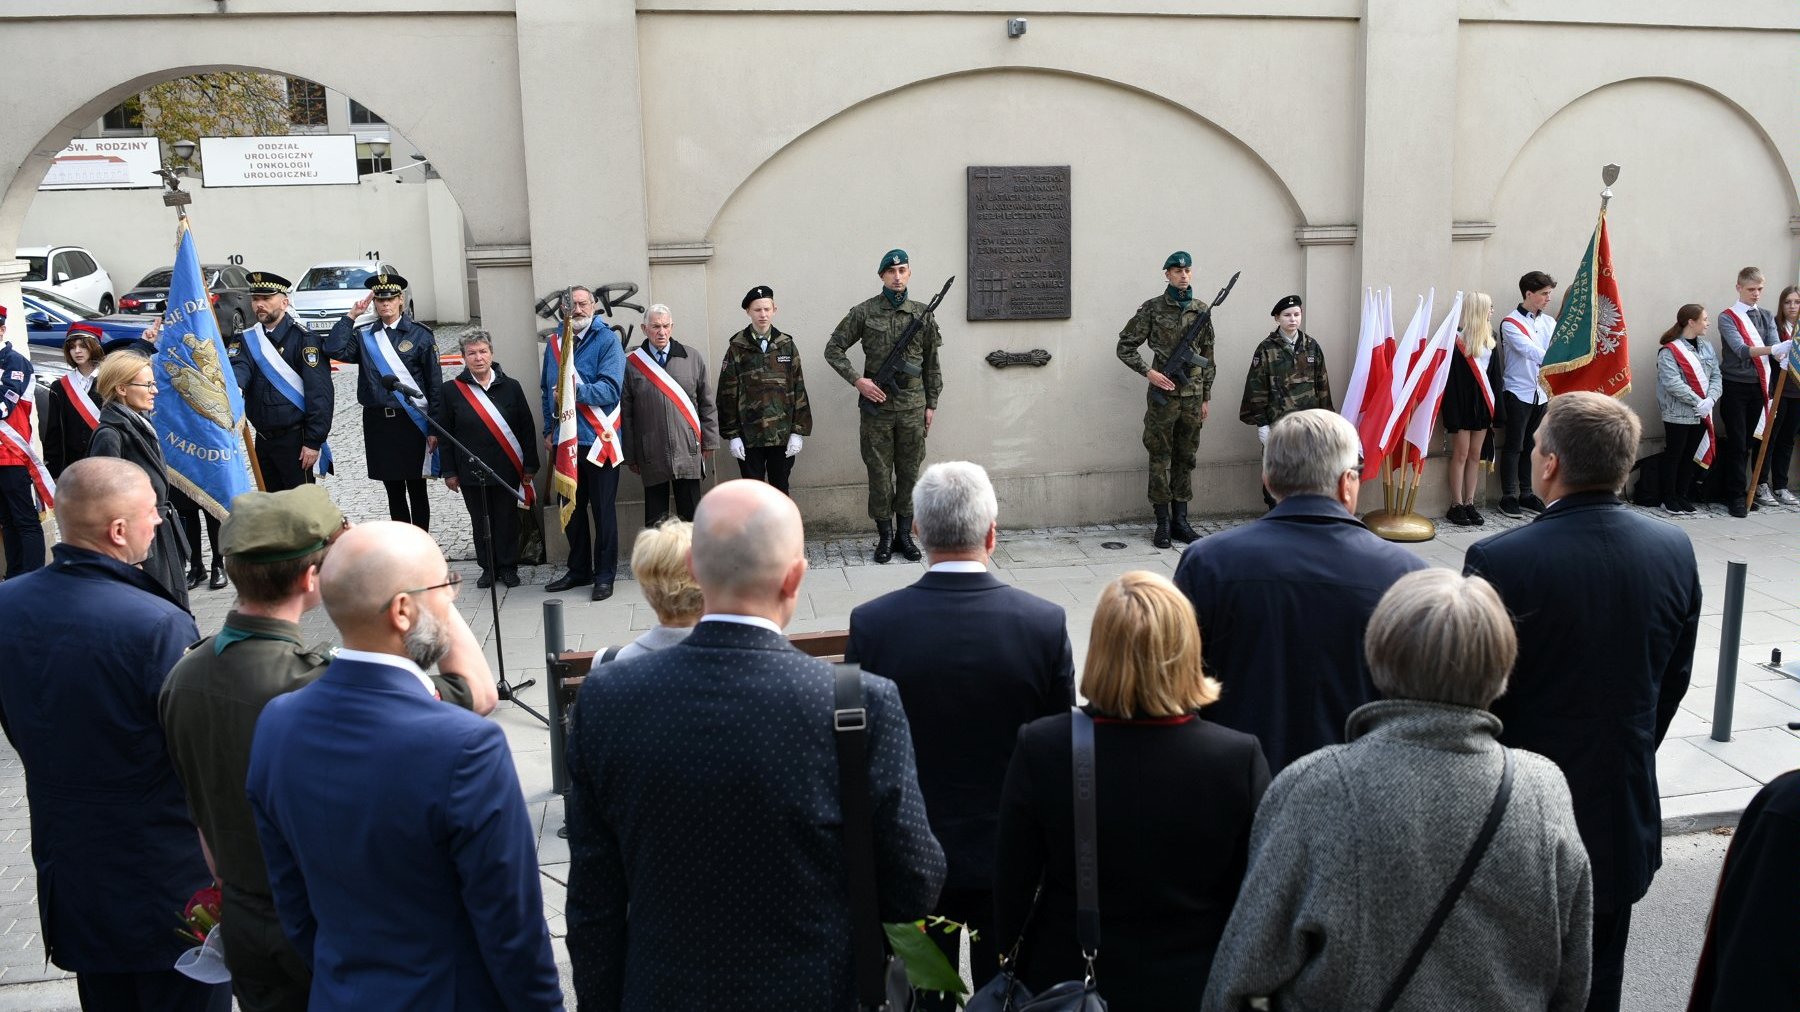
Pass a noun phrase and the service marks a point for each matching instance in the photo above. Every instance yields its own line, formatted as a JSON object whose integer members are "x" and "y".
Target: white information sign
{"x": 105, "y": 163}
{"x": 289, "y": 160}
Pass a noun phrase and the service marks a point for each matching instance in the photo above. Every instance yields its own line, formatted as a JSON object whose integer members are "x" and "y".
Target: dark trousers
{"x": 686, "y": 493}
{"x": 190, "y": 512}
{"x": 1678, "y": 460}
{"x": 1522, "y": 421}
{"x": 418, "y": 513}
{"x": 1608, "y": 980}
{"x": 767, "y": 463}
{"x": 1781, "y": 451}
{"x": 266, "y": 973}
{"x": 975, "y": 908}
{"x": 156, "y": 991}
{"x": 502, "y": 510}
{"x": 21, "y": 533}
{"x": 278, "y": 456}
{"x": 594, "y": 556}
{"x": 1739, "y": 406}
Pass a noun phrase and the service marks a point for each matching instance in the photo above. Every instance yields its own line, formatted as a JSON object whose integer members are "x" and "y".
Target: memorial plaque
{"x": 1018, "y": 242}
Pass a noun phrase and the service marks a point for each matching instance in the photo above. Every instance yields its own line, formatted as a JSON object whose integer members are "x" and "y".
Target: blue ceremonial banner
{"x": 198, "y": 407}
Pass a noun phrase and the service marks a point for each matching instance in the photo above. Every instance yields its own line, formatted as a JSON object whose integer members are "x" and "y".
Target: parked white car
{"x": 71, "y": 272}
{"x": 326, "y": 292}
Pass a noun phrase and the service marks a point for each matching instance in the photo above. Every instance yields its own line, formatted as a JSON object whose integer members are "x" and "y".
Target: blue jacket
{"x": 400, "y": 853}
{"x": 116, "y": 855}
{"x": 599, "y": 377}
{"x": 1283, "y": 602}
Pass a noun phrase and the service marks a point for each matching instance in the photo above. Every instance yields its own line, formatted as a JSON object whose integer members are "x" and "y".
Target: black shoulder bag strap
{"x": 1476, "y": 850}
{"x": 1087, "y": 844}
{"x": 850, "y": 727}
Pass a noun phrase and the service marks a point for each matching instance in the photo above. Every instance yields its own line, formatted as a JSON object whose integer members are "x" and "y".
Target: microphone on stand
{"x": 406, "y": 389}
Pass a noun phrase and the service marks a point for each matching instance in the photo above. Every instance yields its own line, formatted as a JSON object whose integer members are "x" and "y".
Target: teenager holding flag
{"x": 1687, "y": 387}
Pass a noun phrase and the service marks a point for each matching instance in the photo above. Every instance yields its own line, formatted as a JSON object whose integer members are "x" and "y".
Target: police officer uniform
{"x": 763, "y": 410}
{"x": 1286, "y": 375}
{"x": 1171, "y": 429}
{"x": 282, "y": 427}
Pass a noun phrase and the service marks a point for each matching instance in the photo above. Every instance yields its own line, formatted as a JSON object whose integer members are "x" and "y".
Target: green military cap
{"x": 279, "y": 526}
{"x": 893, "y": 258}
{"x": 1179, "y": 258}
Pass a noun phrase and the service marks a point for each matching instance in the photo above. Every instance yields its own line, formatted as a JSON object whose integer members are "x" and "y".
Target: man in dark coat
{"x": 704, "y": 815}
{"x": 975, "y": 659}
{"x": 1748, "y": 959}
{"x": 1607, "y": 603}
{"x": 487, "y": 410}
{"x": 286, "y": 380}
{"x": 116, "y": 857}
{"x": 1283, "y": 601}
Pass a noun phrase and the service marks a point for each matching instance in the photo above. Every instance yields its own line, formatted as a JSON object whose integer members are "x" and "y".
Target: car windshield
{"x": 333, "y": 279}
{"x": 34, "y": 268}
{"x": 67, "y": 307}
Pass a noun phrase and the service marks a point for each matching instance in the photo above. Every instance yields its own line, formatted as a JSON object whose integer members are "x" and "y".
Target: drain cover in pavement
{"x": 1114, "y": 545}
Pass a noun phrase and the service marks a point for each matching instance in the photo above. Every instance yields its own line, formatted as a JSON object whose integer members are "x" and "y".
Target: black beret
{"x": 1290, "y": 302}
{"x": 759, "y": 292}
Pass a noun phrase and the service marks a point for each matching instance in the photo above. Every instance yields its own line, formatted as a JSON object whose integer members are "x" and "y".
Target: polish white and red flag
{"x": 1434, "y": 366}
{"x": 1370, "y": 398}
{"x": 1408, "y": 350}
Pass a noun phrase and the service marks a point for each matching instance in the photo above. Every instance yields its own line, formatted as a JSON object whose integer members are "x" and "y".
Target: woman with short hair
{"x": 659, "y": 563}
{"x": 1357, "y": 845}
{"x": 1174, "y": 795}
{"x": 127, "y": 388}
{"x": 486, "y": 411}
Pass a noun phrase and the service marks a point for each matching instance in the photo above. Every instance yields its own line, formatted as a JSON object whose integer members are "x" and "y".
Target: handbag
{"x": 1006, "y": 993}
{"x": 881, "y": 983}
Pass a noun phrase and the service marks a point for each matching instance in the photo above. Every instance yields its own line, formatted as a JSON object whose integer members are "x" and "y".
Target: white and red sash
{"x": 40, "y": 473}
{"x": 1521, "y": 324}
{"x": 607, "y": 451}
{"x": 503, "y": 434}
{"x": 1753, "y": 339}
{"x": 81, "y": 399}
{"x": 645, "y": 364}
{"x": 1688, "y": 361}
{"x": 1481, "y": 381}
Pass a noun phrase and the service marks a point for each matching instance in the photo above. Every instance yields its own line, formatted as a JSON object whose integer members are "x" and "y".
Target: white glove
{"x": 1262, "y": 434}
{"x": 737, "y": 447}
{"x": 794, "y": 443}
{"x": 1705, "y": 406}
{"x": 1781, "y": 352}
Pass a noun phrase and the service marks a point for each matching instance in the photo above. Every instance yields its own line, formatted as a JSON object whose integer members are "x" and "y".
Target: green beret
{"x": 280, "y": 526}
{"x": 1179, "y": 258}
{"x": 893, "y": 258}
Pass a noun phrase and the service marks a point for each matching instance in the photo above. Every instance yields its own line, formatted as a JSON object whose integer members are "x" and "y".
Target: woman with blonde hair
{"x": 1468, "y": 410}
{"x": 126, "y": 386}
{"x": 659, "y": 562}
{"x": 1174, "y": 795}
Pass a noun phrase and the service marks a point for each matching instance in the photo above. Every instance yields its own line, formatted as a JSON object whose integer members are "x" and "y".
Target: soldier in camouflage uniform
{"x": 763, "y": 411}
{"x": 893, "y": 438}
{"x": 1171, "y": 430}
{"x": 1287, "y": 374}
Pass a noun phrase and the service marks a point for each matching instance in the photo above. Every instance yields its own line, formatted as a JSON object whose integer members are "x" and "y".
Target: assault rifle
{"x": 896, "y": 358}
{"x": 1184, "y": 357}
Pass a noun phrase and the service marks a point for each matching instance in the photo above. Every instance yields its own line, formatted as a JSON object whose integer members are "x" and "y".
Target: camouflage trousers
{"x": 893, "y": 448}
{"x": 1172, "y": 435}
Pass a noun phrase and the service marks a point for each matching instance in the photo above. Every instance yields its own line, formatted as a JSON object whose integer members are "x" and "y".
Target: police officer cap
{"x": 893, "y": 258}
{"x": 280, "y": 526}
{"x": 761, "y": 292}
{"x": 267, "y": 283}
{"x": 1179, "y": 258}
{"x": 385, "y": 286}
{"x": 1290, "y": 302}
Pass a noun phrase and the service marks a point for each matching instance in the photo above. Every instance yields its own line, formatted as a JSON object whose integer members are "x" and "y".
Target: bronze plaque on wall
{"x": 1018, "y": 242}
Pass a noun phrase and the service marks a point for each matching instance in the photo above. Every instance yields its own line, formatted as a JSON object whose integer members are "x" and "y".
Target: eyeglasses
{"x": 452, "y": 580}
{"x": 142, "y": 386}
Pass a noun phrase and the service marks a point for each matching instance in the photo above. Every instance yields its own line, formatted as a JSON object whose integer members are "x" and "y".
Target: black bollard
{"x": 553, "y": 676}
{"x": 1725, "y": 690}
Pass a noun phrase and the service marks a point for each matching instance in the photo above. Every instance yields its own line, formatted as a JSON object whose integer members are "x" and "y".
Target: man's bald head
{"x": 106, "y": 504}
{"x": 747, "y": 539}
{"x": 369, "y": 565}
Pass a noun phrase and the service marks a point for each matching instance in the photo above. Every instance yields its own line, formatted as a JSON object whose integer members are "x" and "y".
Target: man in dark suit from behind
{"x": 1607, "y": 603}
{"x": 705, "y": 830}
{"x": 975, "y": 659}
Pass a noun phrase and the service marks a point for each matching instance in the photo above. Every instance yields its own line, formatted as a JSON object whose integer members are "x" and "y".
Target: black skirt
{"x": 1464, "y": 406}
{"x": 393, "y": 445}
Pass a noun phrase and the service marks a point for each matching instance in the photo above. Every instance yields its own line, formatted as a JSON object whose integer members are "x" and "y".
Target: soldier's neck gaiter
{"x": 1183, "y": 295}
{"x": 895, "y": 299}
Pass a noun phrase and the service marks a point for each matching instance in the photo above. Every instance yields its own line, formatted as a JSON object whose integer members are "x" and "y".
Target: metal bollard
{"x": 553, "y": 678}
{"x": 1725, "y": 690}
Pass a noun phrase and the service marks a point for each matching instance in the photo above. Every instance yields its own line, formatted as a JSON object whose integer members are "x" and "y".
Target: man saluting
{"x": 286, "y": 382}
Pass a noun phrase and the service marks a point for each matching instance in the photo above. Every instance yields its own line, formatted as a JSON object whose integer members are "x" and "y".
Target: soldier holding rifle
{"x": 899, "y": 383}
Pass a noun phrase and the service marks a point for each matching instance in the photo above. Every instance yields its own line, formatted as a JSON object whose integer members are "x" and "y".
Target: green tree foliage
{"x": 226, "y": 104}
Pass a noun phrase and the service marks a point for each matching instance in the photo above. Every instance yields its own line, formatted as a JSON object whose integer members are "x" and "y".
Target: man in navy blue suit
{"x": 400, "y": 853}
{"x": 705, "y": 830}
{"x": 1607, "y": 603}
{"x": 975, "y": 659}
{"x": 1284, "y": 599}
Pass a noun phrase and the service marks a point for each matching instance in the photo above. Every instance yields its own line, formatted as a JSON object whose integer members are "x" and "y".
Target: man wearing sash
{"x": 73, "y": 412}
{"x": 286, "y": 381}
{"x": 488, "y": 412}
{"x": 1525, "y": 334}
{"x": 20, "y": 482}
{"x": 599, "y": 375}
{"x": 670, "y": 427}
{"x": 1747, "y": 340}
{"x": 397, "y": 441}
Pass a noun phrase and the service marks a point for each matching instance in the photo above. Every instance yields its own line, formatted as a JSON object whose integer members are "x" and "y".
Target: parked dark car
{"x": 48, "y": 315}
{"x": 228, "y": 284}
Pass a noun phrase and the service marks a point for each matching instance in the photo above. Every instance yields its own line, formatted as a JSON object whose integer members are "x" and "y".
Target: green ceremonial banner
{"x": 1590, "y": 349}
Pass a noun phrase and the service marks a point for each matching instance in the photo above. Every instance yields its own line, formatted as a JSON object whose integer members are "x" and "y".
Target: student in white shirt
{"x": 1526, "y": 333}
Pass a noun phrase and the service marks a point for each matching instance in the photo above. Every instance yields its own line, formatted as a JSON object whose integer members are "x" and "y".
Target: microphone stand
{"x": 399, "y": 389}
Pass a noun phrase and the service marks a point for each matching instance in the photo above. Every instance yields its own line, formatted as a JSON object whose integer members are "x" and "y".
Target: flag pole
{"x": 1762, "y": 445}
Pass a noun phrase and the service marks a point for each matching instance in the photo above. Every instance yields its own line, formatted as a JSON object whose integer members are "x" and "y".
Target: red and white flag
{"x": 1436, "y": 362}
{"x": 1367, "y": 407}
{"x": 564, "y": 480}
{"x": 1409, "y": 352}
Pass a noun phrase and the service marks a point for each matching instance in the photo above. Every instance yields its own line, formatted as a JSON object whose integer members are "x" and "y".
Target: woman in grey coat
{"x": 1687, "y": 386}
{"x": 1354, "y": 845}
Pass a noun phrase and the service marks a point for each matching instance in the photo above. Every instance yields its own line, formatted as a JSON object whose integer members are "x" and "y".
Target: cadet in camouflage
{"x": 893, "y": 438}
{"x": 1171, "y": 429}
{"x": 763, "y": 411}
{"x": 1287, "y": 374}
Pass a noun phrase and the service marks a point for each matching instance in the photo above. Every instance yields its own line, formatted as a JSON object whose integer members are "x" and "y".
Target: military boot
{"x": 1178, "y": 525}
{"x": 1161, "y": 537}
{"x": 884, "y": 541}
{"x": 903, "y": 539}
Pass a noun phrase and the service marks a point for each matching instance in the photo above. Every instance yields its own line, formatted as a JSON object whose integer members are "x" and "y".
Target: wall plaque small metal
{"x": 1019, "y": 242}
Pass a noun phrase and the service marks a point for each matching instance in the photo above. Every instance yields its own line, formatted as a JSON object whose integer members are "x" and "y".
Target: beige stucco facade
{"x": 699, "y": 147}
